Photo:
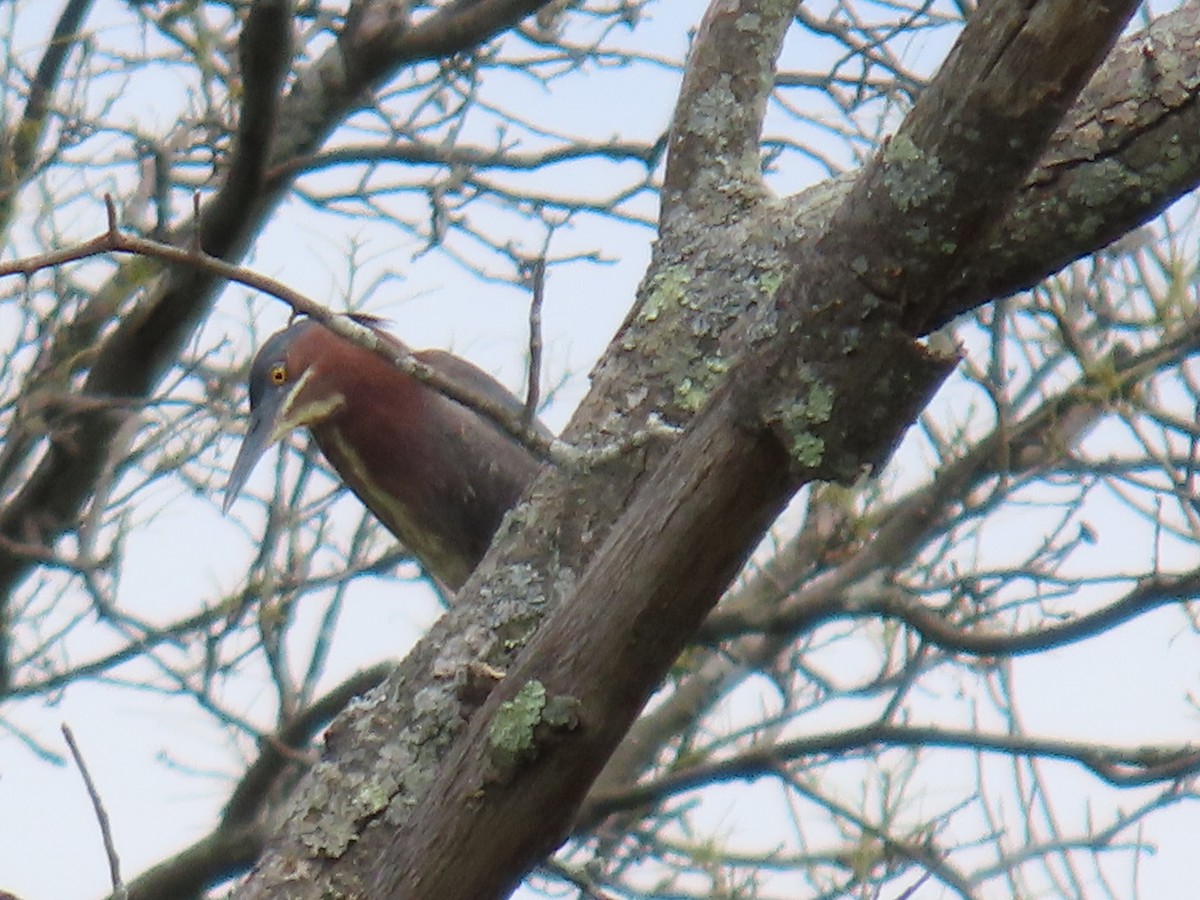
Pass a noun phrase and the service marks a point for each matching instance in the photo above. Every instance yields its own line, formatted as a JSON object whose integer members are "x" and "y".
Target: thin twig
{"x": 115, "y": 241}
{"x": 539, "y": 443}
{"x": 536, "y": 273}
{"x": 110, "y": 848}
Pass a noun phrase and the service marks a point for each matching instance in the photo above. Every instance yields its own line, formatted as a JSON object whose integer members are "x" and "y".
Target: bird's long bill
{"x": 259, "y": 436}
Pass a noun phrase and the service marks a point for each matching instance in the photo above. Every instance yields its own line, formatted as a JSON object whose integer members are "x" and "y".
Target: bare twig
{"x": 110, "y": 848}
{"x": 536, "y": 270}
{"x": 523, "y": 430}
{"x": 1119, "y": 766}
{"x": 113, "y": 240}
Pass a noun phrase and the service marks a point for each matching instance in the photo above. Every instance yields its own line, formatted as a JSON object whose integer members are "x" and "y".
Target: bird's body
{"x": 437, "y": 474}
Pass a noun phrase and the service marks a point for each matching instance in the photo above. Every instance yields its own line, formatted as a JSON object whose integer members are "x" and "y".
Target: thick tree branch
{"x": 224, "y": 853}
{"x": 265, "y": 54}
{"x": 250, "y": 797}
{"x": 786, "y": 598}
{"x": 18, "y": 158}
{"x": 1125, "y": 152}
{"x": 720, "y": 669}
{"x": 714, "y": 164}
{"x": 237, "y": 840}
{"x": 643, "y": 592}
{"x": 925, "y": 202}
{"x": 466, "y": 23}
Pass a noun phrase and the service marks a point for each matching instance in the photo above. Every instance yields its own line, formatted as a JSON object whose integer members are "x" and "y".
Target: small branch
{"x": 717, "y": 123}
{"x": 1119, "y": 766}
{"x": 116, "y": 241}
{"x": 1149, "y": 594}
{"x": 503, "y": 158}
{"x": 536, "y": 270}
{"x": 540, "y": 443}
{"x": 874, "y": 600}
{"x": 31, "y": 744}
{"x": 458, "y": 25}
{"x": 33, "y": 123}
{"x": 110, "y": 848}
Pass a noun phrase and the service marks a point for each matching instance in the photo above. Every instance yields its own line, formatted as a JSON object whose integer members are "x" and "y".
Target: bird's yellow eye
{"x": 278, "y": 373}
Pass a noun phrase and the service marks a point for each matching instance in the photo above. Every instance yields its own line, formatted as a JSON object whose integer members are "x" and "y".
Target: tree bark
{"x": 781, "y": 334}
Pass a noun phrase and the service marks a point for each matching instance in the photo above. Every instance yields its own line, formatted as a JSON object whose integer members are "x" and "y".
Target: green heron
{"x": 437, "y": 474}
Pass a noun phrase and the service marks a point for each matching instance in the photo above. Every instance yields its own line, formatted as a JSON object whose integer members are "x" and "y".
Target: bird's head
{"x": 290, "y": 387}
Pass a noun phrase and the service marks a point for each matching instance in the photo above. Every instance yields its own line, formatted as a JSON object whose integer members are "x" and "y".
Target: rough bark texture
{"x": 781, "y": 333}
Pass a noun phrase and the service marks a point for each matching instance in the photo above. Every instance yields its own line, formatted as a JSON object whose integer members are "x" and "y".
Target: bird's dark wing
{"x": 471, "y": 376}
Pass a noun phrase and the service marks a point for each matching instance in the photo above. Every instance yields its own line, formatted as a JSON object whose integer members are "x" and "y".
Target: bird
{"x": 439, "y": 475}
